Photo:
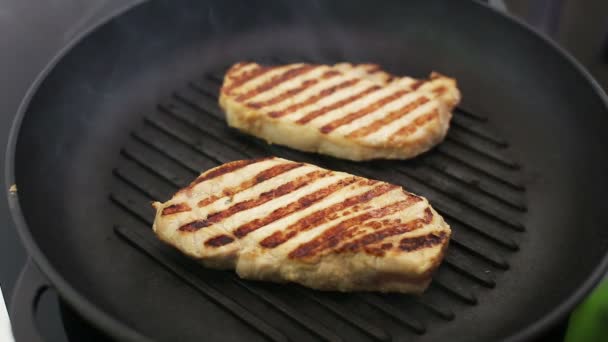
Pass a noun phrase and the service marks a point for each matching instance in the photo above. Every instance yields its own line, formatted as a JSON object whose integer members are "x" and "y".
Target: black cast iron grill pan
{"x": 472, "y": 263}
{"x": 130, "y": 114}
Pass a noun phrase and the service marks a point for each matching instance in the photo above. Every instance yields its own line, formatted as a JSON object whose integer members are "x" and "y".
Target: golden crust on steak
{"x": 278, "y": 220}
{"x": 356, "y": 112}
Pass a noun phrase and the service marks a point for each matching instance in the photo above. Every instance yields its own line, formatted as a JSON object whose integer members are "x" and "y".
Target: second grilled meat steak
{"x": 278, "y": 220}
{"x": 356, "y": 112}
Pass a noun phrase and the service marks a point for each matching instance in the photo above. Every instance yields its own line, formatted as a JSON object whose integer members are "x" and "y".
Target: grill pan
{"x": 128, "y": 113}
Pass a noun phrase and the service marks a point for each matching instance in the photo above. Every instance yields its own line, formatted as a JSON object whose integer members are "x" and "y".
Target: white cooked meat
{"x": 356, "y": 112}
{"x": 278, "y": 220}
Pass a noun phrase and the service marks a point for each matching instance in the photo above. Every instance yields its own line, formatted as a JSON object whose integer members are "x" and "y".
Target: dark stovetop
{"x": 33, "y": 31}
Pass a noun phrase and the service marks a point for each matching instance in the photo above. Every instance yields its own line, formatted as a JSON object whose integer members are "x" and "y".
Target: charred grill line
{"x": 330, "y": 237}
{"x": 246, "y": 77}
{"x": 175, "y": 208}
{"x": 219, "y": 240}
{"x": 275, "y": 81}
{"x": 261, "y": 177}
{"x": 261, "y": 199}
{"x": 293, "y": 207}
{"x": 376, "y": 237}
{"x": 322, "y": 111}
{"x": 224, "y": 169}
{"x": 350, "y": 117}
{"x": 388, "y": 119}
{"x": 322, "y": 216}
{"x": 314, "y": 98}
{"x": 285, "y": 95}
{"x": 412, "y": 127}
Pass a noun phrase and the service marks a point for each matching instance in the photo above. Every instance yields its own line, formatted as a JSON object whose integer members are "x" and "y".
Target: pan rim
{"x": 89, "y": 311}
{"x": 117, "y": 329}
{"x": 550, "y": 319}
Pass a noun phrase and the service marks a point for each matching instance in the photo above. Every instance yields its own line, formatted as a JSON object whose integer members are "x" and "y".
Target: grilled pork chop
{"x": 356, "y": 112}
{"x": 278, "y": 220}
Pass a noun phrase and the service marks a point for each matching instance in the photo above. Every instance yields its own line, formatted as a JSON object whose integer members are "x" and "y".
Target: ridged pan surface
{"x": 131, "y": 115}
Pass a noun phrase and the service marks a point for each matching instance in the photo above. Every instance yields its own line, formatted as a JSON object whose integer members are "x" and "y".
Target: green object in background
{"x": 589, "y": 321}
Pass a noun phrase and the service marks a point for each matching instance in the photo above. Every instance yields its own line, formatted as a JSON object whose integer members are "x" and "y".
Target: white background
{"x": 5, "y": 326}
